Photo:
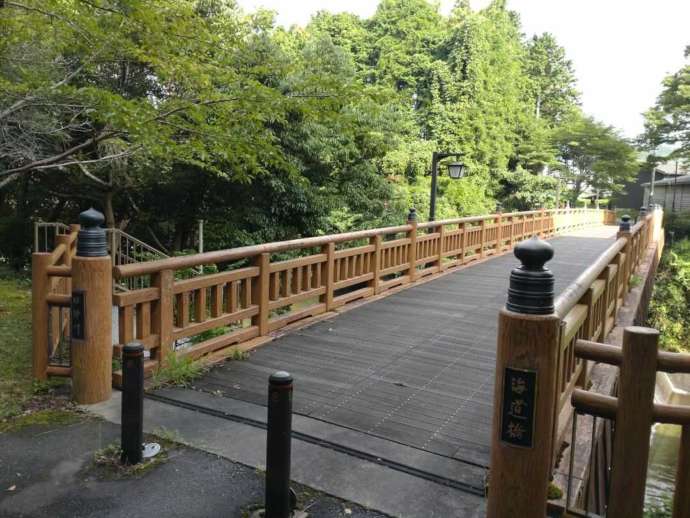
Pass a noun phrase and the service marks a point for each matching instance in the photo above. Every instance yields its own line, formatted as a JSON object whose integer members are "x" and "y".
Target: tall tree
{"x": 668, "y": 122}
{"x": 594, "y": 155}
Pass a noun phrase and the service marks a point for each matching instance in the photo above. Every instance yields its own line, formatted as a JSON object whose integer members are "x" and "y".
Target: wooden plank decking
{"x": 415, "y": 368}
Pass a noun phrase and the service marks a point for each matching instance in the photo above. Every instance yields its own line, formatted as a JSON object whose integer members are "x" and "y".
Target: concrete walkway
{"x": 393, "y": 399}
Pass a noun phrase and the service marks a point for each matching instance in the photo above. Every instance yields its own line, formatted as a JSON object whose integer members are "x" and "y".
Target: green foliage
{"x": 162, "y": 113}
{"x": 678, "y": 223}
{"x": 592, "y": 154}
{"x": 662, "y": 510}
{"x": 178, "y": 371}
{"x": 45, "y": 417}
{"x": 670, "y": 304}
{"x": 668, "y": 122}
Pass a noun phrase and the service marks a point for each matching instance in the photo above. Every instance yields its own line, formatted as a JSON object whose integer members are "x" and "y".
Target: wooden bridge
{"x": 391, "y": 335}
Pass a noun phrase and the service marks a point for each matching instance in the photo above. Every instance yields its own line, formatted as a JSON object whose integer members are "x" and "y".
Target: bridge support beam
{"x": 525, "y": 389}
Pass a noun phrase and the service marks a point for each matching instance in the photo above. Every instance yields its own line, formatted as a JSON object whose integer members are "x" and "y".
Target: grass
{"x": 179, "y": 371}
{"x": 16, "y": 386}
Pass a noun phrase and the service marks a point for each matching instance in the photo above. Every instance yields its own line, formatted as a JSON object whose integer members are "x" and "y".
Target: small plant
{"x": 239, "y": 355}
{"x": 554, "y": 492}
{"x": 635, "y": 281}
{"x": 108, "y": 460}
{"x": 179, "y": 371}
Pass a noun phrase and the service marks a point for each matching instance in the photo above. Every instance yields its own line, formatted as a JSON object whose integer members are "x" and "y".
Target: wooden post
{"x": 499, "y": 233}
{"x": 634, "y": 419}
{"x": 40, "y": 286}
{"x": 376, "y": 269}
{"x": 91, "y": 318}
{"x": 441, "y": 238}
{"x": 525, "y": 389}
{"x": 412, "y": 256}
{"x": 260, "y": 292}
{"x": 327, "y": 275}
{"x": 681, "y": 499}
{"x": 162, "y": 314}
{"x": 482, "y": 238}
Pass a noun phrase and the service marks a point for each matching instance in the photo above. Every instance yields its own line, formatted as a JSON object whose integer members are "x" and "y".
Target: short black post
{"x": 132, "y": 427}
{"x": 624, "y": 225}
{"x": 278, "y": 438}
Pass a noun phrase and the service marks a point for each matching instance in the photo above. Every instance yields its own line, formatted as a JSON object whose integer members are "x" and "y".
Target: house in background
{"x": 635, "y": 193}
{"x": 673, "y": 194}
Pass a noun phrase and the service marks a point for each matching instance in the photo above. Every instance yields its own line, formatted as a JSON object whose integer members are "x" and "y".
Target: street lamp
{"x": 456, "y": 170}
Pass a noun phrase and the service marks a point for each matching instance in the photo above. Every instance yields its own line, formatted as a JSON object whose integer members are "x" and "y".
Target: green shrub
{"x": 678, "y": 223}
{"x": 670, "y": 304}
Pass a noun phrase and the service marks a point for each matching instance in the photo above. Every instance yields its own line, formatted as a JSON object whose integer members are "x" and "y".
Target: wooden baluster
{"x": 634, "y": 419}
{"x": 463, "y": 241}
{"x": 183, "y": 309}
{"x": 233, "y": 296}
{"x": 482, "y": 238}
{"x": 260, "y": 292}
{"x": 328, "y": 268}
{"x": 376, "y": 263}
{"x": 143, "y": 320}
{"x": 162, "y": 314}
{"x": 216, "y": 300}
{"x": 440, "y": 250}
{"x": 126, "y": 324}
{"x": 200, "y": 305}
{"x": 588, "y": 330}
{"x": 412, "y": 251}
{"x": 510, "y": 236}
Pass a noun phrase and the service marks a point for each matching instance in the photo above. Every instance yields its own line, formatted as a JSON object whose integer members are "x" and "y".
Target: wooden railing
{"x": 51, "y": 291}
{"x": 266, "y": 287}
{"x": 588, "y": 308}
{"x": 537, "y": 368}
{"x": 633, "y": 412}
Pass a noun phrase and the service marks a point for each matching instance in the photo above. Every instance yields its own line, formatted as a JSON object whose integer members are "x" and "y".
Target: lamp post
{"x": 456, "y": 170}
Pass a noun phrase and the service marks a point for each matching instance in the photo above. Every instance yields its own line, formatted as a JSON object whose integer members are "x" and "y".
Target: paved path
{"x": 402, "y": 385}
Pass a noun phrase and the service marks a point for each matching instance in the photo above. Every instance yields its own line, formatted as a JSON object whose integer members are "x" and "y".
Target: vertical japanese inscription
{"x": 519, "y": 398}
{"x": 77, "y": 316}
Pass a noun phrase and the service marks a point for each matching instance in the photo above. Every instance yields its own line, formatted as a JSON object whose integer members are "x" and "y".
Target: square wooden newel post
{"x": 412, "y": 256}
{"x": 91, "y": 313}
{"x": 525, "y": 389}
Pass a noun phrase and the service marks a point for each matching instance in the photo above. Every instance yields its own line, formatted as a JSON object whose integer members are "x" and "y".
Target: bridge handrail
{"x": 233, "y": 254}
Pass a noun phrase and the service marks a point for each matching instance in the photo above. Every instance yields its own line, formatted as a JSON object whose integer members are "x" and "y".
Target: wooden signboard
{"x": 519, "y": 398}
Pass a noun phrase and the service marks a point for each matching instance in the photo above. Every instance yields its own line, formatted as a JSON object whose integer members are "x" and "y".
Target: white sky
{"x": 621, "y": 49}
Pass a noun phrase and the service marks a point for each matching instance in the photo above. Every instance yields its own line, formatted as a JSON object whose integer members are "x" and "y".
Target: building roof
{"x": 670, "y": 167}
{"x": 674, "y": 180}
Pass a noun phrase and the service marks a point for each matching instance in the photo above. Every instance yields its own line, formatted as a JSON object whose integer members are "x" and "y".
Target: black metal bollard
{"x": 278, "y": 438}
{"x": 132, "y": 427}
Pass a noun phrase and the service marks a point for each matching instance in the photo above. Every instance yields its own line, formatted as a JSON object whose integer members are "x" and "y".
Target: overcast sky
{"x": 621, "y": 49}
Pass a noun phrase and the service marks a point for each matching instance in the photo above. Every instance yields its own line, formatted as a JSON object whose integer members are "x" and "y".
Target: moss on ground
{"x": 43, "y": 417}
{"x": 16, "y": 386}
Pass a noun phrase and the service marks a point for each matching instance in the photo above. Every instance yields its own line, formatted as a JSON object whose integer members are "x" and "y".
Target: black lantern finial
{"x": 91, "y": 240}
{"x": 412, "y": 215}
{"x": 624, "y": 224}
{"x": 531, "y": 284}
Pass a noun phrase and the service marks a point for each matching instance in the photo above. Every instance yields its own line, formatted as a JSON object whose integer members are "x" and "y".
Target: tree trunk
{"x": 108, "y": 209}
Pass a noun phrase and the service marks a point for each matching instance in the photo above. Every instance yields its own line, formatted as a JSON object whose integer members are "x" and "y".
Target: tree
{"x": 593, "y": 155}
{"x": 668, "y": 122}
{"x": 552, "y": 78}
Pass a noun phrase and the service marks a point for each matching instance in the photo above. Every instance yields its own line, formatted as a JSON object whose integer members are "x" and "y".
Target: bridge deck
{"x": 414, "y": 368}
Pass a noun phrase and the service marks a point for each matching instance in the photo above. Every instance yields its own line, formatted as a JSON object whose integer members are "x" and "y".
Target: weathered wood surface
{"x": 416, "y": 367}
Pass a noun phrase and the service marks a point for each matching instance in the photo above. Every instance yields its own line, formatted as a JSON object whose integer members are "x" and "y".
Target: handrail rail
{"x": 576, "y": 289}
{"x": 613, "y": 355}
{"x": 232, "y": 254}
{"x": 570, "y": 296}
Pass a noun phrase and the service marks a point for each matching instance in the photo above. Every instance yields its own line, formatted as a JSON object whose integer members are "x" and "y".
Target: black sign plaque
{"x": 519, "y": 399}
{"x": 77, "y": 315}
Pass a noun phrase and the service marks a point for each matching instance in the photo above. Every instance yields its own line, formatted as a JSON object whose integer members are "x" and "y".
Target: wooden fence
{"x": 262, "y": 291}
{"x": 265, "y": 287}
{"x": 51, "y": 292}
{"x": 633, "y": 413}
{"x": 540, "y": 348}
